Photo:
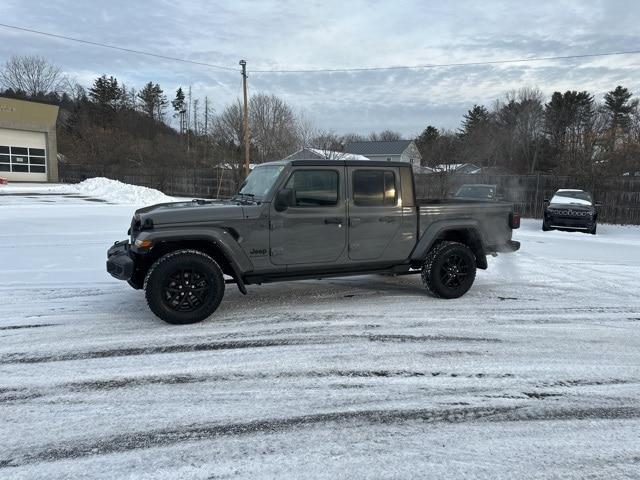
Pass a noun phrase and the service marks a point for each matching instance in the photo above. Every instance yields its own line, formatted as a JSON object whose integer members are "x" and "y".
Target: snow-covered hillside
{"x": 534, "y": 373}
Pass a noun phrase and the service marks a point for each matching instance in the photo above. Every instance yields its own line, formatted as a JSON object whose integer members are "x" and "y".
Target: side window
{"x": 374, "y": 188}
{"x": 314, "y": 188}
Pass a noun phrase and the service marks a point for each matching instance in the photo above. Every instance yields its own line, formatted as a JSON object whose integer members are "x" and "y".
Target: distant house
{"x": 319, "y": 154}
{"x": 396, "y": 151}
{"x": 468, "y": 168}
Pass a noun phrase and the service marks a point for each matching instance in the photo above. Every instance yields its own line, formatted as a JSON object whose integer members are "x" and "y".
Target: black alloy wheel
{"x": 185, "y": 286}
{"x": 454, "y": 270}
{"x": 185, "y": 290}
{"x": 449, "y": 269}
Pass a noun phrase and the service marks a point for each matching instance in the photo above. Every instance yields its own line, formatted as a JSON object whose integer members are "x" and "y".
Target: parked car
{"x": 570, "y": 209}
{"x": 300, "y": 219}
{"x": 478, "y": 192}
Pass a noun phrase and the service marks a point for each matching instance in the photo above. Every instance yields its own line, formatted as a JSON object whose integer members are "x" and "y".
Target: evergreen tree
{"x": 568, "y": 121}
{"x": 180, "y": 108}
{"x": 619, "y": 106}
{"x": 426, "y": 142}
{"x": 475, "y": 119}
{"x": 106, "y": 94}
{"x": 153, "y": 100}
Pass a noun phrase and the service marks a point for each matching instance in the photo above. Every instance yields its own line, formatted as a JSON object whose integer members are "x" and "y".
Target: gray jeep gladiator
{"x": 307, "y": 219}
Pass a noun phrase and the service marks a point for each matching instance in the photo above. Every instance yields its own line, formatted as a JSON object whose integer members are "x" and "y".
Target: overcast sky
{"x": 341, "y": 34}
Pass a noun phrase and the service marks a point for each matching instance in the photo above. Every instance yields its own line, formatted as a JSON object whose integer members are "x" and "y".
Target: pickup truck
{"x": 477, "y": 192}
{"x": 307, "y": 219}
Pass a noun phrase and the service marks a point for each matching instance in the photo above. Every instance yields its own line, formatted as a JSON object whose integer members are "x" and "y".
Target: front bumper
{"x": 569, "y": 222}
{"x": 120, "y": 265}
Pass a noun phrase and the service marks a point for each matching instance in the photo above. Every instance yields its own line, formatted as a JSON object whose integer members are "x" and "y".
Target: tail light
{"x": 514, "y": 220}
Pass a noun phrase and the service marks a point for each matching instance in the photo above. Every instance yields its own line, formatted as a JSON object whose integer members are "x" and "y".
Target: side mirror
{"x": 285, "y": 198}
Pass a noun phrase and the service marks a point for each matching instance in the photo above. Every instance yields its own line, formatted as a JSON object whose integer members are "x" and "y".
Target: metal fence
{"x": 620, "y": 196}
{"x": 186, "y": 182}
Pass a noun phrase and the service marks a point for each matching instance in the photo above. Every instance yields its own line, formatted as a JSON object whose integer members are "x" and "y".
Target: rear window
{"x": 373, "y": 188}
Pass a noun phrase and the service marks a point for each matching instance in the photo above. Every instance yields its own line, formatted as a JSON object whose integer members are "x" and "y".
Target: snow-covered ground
{"x": 535, "y": 373}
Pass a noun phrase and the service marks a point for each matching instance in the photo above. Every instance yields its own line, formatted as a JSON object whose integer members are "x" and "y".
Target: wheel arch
{"x": 467, "y": 233}
{"x": 225, "y": 251}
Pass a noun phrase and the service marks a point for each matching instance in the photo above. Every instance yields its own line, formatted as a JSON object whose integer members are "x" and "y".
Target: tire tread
{"x": 168, "y": 257}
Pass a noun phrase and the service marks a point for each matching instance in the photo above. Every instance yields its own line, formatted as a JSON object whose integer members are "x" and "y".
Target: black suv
{"x": 570, "y": 210}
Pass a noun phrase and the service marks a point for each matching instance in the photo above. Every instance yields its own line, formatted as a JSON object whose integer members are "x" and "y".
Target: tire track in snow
{"x": 190, "y": 433}
{"x": 24, "y": 393}
{"x": 234, "y": 344}
{"x": 19, "y": 327}
{"x": 153, "y": 350}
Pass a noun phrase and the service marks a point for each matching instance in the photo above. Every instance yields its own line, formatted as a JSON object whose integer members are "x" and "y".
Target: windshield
{"x": 572, "y": 197}
{"x": 476, "y": 191}
{"x": 260, "y": 181}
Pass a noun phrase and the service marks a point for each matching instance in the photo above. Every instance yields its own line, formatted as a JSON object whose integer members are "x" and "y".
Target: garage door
{"x": 23, "y": 155}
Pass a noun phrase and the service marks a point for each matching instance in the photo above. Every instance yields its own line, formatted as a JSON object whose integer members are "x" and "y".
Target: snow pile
{"x": 111, "y": 191}
{"x": 118, "y": 192}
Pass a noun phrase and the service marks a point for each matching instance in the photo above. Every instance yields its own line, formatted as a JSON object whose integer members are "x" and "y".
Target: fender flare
{"x": 218, "y": 237}
{"x": 435, "y": 231}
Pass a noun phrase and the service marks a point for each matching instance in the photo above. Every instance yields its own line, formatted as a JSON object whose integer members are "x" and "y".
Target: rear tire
{"x": 449, "y": 270}
{"x": 185, "y": 286}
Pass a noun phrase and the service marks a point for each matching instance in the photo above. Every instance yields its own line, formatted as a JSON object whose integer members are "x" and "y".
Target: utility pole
{"x": 245, "y": 118}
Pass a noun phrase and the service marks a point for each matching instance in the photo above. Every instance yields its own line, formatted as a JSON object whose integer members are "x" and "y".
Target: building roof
{"x": 340, "y": 161}
{"x": 320, "y": 154}
{"x": 395, "y": 147}
{"x": 457, "y": 167}
{"x": 332, "y": 155}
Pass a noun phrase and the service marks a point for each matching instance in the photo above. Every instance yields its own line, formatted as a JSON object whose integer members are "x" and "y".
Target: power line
{"x": 440, "y": 65}
{"x": 115, "y": 47}
{"x": 329, "y": 70}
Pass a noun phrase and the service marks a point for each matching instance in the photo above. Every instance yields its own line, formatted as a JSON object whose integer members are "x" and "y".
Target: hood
{"x": 576, "y": 207}
{"x": 196, "y": 211}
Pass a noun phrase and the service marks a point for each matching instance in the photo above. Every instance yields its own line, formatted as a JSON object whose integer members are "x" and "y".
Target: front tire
{"x": 449, "y": 270}
{"x": 545, "y": 228}
{"x": 185, "y": 286}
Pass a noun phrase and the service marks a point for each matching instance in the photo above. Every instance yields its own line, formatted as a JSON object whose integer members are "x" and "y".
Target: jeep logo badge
{"x": 256, "y": 252}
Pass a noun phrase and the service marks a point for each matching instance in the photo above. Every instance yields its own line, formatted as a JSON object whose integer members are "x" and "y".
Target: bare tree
{"x": 385, "y": 136}
{"x": 227, "y": 127}
{"x": 306, "y": 129}
{"x": 273, "y": 127}
{"x": 352, "y": 138}
{"x": 325, "y": 140}
{"x": 33, "y": 75}
{"x": 227, "y": 132}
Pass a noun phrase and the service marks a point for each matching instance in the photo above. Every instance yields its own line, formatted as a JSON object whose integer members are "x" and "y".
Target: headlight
{"x": 144, "y": 243}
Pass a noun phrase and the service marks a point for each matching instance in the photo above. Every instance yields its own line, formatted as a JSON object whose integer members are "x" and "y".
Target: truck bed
{"x": 490, "y": 218}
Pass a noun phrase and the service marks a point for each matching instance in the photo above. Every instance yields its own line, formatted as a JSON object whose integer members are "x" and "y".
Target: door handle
{"x": 333, "y": 220}
{"x": 386, "y": 219}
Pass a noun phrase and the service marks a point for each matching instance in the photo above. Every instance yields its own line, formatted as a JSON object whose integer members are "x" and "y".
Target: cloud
{"x": 336, "y": 34}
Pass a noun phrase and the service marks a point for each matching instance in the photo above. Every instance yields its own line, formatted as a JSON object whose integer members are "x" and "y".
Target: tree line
{"x": 112, "y": 125}
{"x": 571, "y": 133}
